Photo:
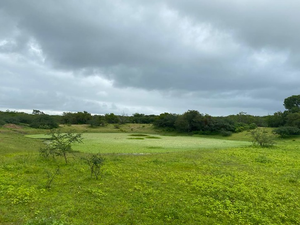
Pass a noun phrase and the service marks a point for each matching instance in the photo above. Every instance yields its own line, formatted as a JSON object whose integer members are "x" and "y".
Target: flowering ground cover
{"x": 184, "y": 180}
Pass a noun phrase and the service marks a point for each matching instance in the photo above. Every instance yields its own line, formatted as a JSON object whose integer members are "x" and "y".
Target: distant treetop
{"x": 292, "y": 103}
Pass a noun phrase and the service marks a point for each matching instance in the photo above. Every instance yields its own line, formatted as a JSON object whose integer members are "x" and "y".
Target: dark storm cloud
{"x": 231, "y": 52}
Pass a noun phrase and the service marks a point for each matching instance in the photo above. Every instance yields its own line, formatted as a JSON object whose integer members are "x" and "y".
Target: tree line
{"x": 192, "y": 121}
{"x": 39, "y": 119}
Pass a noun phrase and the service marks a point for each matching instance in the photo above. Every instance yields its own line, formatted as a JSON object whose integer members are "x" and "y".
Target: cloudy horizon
{"x": 110, "y": 56}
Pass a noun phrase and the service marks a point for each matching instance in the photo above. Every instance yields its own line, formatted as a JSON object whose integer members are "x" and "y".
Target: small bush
{"x": 240, "y": 127}
{"x": 287, "y": 131}
{"x": 95, "y": 162}
{"x": 261, "y": 137}
{"x": 252, "y": 126}
{"x": 225, "y": 133}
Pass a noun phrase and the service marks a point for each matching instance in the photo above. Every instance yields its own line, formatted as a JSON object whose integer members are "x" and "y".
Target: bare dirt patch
{"x": 12, "y": 126}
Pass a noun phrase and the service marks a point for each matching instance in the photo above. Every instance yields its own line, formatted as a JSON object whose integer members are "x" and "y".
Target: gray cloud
{"x": 257, "y": 23}
{"x": 153, "y": 56}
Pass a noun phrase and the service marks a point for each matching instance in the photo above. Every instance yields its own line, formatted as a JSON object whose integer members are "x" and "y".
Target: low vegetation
{"x": 168, "y": 169}
{"x": 196, "y": 182}
{"x": 95, "y": 162}
{"x": 262, "y": 137}
{"x": 287, "y": 131}
{"x": 143, "y": 143}
{"x": 189, "y": 123}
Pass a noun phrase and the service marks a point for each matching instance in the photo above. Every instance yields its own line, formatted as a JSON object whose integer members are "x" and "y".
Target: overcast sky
{"x": 112, "y": 56}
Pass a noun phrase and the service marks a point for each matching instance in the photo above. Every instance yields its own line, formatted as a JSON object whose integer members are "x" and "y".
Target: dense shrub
{"x": 225, "y": 133}
{"x": 44, "y": 121}
{"x": 239, "y": 127}
{"x": 111, "y": 118}
{"x": 97, "y": 121}
{"x": 252, "y": 126}
{"x": 287, "y": 131}
{"x": 165, "y": 120}
{"x": 2, "y": 122}
{"x": 12, "y": 120}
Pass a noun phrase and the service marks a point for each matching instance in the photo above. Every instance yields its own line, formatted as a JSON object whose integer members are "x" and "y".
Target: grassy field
{"x": 145, "y": 143}
{"x": 185, "y": 180}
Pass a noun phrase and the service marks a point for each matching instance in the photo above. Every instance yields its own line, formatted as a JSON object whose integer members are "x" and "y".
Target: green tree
{"x": 292, "y": 103}
{"x": 82, "y": 117}
{"x": 123, "y": 118}
{"x": 76, "y": 118}
{"x": 165, "y": 120}
{"x": 61, "y": 144}
{"x": 43, "y": 121}
{"x": 190, "y": 121}
{"x": 293, "y": 119}
{"x": 111, "y": 118}
{"x": 97, "y": 121}
{"x": 67, "y": 118}
{"x": 37, "y": 112}
{"x": 278, "y": 119}
{"x": 142, "y": 118}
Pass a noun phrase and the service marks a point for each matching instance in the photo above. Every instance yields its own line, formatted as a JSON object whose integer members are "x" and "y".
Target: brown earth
{"x": 12, "y": 126}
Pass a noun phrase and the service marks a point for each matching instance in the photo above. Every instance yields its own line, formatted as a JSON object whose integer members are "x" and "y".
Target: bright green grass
{"x": 234, "y": 185}
{"x": 143, "y": 143}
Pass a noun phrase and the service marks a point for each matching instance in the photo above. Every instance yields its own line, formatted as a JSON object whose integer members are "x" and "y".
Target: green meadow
{"x": 146, "y": 143}
{"x": 149, "y": 178}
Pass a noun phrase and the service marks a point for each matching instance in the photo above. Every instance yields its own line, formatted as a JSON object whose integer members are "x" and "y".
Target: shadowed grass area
{"x": 139, "y": 135}
{"x": 153, "y": 137}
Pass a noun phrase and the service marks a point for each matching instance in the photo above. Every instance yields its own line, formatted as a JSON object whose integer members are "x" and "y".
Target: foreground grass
{"x": 241, "y": 185}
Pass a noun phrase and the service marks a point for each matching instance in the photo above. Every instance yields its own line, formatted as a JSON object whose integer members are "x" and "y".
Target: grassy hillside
{"x": 233, "y": 185}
